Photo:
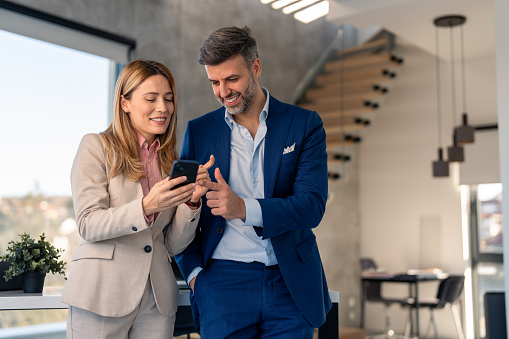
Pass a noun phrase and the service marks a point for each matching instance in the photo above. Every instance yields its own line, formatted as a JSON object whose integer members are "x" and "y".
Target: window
{"x": 486, "y": 244}
{"x": 55, "y": 86}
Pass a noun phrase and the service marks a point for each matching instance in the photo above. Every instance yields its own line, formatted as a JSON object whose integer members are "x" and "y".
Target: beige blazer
{"x": 119, "y": 249}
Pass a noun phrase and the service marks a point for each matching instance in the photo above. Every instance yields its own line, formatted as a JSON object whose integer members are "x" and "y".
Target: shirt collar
{"x": 228, "y": 117}
{"x": 144, "y": 144}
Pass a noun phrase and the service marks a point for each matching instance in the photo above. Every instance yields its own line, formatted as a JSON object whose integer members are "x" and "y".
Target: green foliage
{"x": 28, "y": 255}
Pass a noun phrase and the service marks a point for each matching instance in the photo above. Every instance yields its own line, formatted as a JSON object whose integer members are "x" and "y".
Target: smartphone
{"x": 188, "y": 168}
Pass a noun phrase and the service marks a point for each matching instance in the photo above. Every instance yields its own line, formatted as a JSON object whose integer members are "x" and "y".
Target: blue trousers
{"x": 247, "y": 300}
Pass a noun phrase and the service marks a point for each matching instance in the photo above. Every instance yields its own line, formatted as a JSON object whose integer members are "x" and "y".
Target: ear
{"x": 124, "y": 104}
{"x": 256, "y": 68}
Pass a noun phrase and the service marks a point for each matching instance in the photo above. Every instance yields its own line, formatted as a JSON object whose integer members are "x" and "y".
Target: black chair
{"x": 373, "y": 293}
{"x": 494, "y": 315}
{"x": 449, "y": 293}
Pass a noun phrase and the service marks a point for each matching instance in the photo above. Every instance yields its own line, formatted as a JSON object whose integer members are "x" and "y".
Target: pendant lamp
{"x": 440, "y": 167}
{"x": 464, "y": 132}
{"x": 455, "y": 152}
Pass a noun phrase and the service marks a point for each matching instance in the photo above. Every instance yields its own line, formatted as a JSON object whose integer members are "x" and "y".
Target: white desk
{"x": 50, "y": 299}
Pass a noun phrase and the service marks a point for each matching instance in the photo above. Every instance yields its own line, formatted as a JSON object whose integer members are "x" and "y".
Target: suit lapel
{"x": 220, "y": 144}
{"x": 278, "y": 126}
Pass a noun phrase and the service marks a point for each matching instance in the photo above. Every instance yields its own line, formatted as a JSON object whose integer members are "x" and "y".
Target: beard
{"x": 247, "y": 97}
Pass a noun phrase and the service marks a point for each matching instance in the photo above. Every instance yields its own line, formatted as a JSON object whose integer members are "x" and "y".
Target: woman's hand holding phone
{"x": 171, "y": 192}
{"x": 162, "y": 196}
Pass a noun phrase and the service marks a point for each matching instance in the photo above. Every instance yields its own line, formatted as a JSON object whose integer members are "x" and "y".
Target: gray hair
{"x": 227, "y": 43}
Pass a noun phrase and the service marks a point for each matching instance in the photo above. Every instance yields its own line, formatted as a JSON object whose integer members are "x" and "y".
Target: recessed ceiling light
{"x": 312, "y": 13}
{"x": 298, "y": 5}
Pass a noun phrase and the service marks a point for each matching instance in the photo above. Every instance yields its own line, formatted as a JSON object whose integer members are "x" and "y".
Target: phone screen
{"x": 188, "y": 168}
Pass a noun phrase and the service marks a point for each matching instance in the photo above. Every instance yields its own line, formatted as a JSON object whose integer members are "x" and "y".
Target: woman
{"x": 121, "y": 284}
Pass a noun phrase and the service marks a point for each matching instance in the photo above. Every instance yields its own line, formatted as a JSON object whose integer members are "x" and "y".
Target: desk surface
{"x": 403, "y": 277}
{"x": 50, "y": 299}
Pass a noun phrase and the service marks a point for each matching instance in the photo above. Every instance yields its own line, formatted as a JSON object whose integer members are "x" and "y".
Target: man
{"x": 254, "y": 267}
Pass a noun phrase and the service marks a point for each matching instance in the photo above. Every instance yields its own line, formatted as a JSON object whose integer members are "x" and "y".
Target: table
{"x": 412, "y": 280}
{"x": 50, "y": 299}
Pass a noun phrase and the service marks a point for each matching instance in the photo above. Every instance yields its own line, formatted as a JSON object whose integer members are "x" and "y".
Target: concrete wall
{"x": 338, "y": 239}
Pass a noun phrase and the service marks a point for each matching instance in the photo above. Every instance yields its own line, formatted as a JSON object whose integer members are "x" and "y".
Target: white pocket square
{"x": 289, "y": 149}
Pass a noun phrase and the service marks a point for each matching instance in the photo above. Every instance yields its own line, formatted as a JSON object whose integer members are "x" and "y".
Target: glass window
{"x": 487, "y": 251}
{"x": 50, "y": 96}
{"x": 490, "y": 218}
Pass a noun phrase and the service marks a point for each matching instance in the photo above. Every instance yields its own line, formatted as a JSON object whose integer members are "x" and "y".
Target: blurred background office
{"x": 383, "y": 203}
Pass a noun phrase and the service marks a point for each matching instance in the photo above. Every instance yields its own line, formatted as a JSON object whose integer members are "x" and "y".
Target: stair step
{"x": 331, "y": 129}
{"x": 362, "y": 61}
{"x": 352, "y": 123}
{"x": 371, "y": 73}
{"x": 338, "y": 156}
{"x": 338, "y": 144}
{"x": 366, "y": 88}
{"x": 335, "y": 103}
{"x": 354, "y": 112}
{"x": 367, "y": 46}
{"x": 335, "y": 91}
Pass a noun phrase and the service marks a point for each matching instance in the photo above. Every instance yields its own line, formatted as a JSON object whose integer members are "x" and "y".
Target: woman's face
{"x": 150, "y": 107}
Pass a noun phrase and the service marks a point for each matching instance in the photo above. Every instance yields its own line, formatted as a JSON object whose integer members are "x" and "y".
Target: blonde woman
{"x": 121, "y": 284}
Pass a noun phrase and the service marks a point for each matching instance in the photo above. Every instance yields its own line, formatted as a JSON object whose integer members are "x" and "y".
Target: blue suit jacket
{"x": 295, "y": 195}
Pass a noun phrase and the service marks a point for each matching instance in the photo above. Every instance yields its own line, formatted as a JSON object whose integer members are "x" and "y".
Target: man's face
{"x": 234, "y": 83}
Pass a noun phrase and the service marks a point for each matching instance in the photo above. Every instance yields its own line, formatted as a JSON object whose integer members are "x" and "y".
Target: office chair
{"x": 494, "y": 315}
{"x": 373, "y": 293}
{"x": 449, "y": 292}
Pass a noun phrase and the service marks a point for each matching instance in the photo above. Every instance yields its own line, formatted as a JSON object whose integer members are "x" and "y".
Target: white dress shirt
{"x": 240, "y": 242}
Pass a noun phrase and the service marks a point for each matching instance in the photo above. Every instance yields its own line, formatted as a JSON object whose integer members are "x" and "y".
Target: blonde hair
{"x": 121, "y": 141}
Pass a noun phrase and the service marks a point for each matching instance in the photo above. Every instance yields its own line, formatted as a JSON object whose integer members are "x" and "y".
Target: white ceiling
{"x": 412, "y": 20}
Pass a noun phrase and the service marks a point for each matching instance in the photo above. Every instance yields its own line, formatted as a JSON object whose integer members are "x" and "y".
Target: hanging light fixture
{"x": 440, "y": 167}
{"x": 464, "y": 133}
{"x": 455, "y": 152}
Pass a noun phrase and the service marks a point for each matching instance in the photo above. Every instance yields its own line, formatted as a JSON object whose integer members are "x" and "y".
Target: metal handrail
{"x": 311, "y": 74}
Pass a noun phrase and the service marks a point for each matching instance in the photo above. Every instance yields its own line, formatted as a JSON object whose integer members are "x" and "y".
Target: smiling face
{"x": 150, "y": 107}
{"x": 235, "y": 85}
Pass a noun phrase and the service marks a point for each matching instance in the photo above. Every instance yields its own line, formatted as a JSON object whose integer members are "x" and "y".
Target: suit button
{"x": 135, "y": 229}
{"x": 219, "y": 230}
{"x": 148, "y": 249}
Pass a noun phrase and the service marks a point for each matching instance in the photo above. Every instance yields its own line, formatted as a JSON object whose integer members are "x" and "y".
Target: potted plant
{"x": 32, "y": 260}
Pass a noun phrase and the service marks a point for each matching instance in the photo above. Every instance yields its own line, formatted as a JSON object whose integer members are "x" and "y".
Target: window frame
{"x": 76, "y": 28}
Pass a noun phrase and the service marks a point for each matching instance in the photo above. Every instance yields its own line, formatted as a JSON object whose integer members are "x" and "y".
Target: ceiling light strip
{"x": 282, "y": 3}
{"x": 312, "y": 13}
{"x": 299, "y": 5}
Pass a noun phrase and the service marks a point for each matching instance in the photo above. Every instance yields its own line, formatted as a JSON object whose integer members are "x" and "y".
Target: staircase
{"x": 347, "y": 92}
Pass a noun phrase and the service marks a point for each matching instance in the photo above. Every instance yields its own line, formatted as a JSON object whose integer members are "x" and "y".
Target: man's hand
{"x": 191, "y": 283}
{"x": 222, "y": 200}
